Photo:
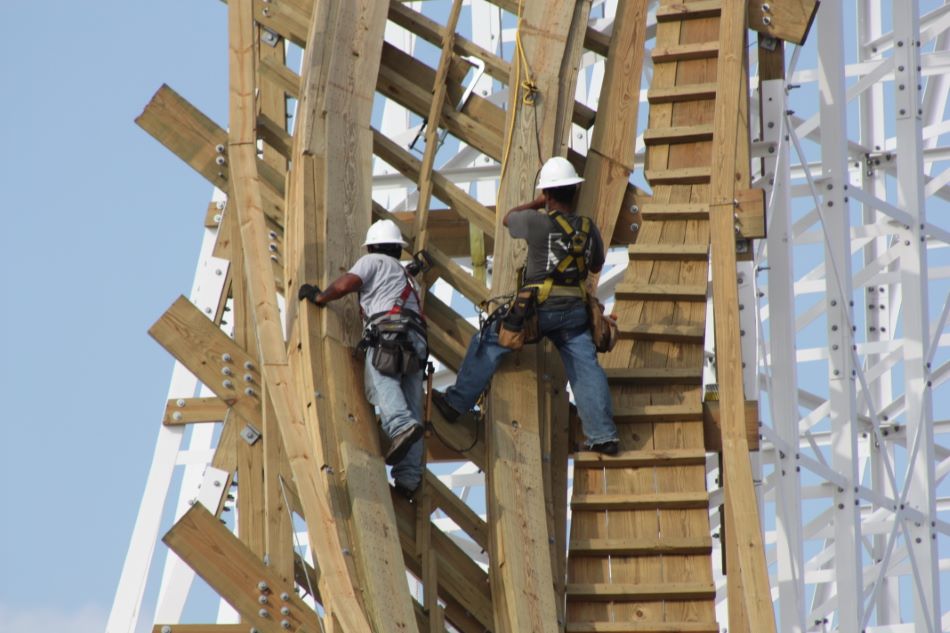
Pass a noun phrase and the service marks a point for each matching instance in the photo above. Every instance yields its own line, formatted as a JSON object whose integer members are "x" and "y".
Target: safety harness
{"x": 567, "y": 278}
{"x": 390, "y": 329}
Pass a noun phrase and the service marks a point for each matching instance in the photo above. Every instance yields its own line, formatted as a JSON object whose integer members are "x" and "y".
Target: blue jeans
{"x": 568, "y": 330}
{"x": 399, "y": 400}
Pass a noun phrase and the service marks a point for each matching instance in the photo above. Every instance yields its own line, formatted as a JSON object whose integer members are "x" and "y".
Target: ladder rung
{"x": 675, "y": 333}
{"x": 638, "y": 593}
{"x": 691, "y": 11}
{"x": 657, "y": 546}
{"x": 635, "y": 459}
{"x": 659, "y": 413}
{"x": 660, "y": 292}
{"x": 681, "y": 176}
{"x": 668, "y": 252}
{"x": 649, "y": 501}
{"x": 681, "y": 134}
{"x": 684, "y": 52}
{"x": 663, "y": 212}
{"x": 678, "y": 94}
{"x": 642, "y": 627}
{"x": 654, "y": 375}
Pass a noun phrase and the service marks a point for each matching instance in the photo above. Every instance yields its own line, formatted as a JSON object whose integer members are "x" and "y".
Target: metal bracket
{"x": 250, "y": 434}
{"x": 269, "y": 37}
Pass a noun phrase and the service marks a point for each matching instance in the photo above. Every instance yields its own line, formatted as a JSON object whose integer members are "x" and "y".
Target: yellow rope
{"x": 528, "y": 86}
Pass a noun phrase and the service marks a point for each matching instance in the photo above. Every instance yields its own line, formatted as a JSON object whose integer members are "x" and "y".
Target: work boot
{"x": 450, "y": 413}
{"x": 402, "y": 443}
{"x": 610, "y": 447}
{"x": 409, "y": 494}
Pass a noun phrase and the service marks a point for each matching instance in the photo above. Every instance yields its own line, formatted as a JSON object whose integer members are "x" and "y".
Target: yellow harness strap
{"x": 575, "y": 256}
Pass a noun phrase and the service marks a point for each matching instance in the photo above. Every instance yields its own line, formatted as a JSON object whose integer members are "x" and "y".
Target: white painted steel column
{"x": 876, "y": 297}
{"x": 127, "y": 604}
{"x": 920, "y": 536}
{"x": 783, "y": 387}
{"x": 836, "y": 225}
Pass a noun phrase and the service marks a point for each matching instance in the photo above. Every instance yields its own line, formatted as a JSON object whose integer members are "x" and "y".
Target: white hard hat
{"x": 557, "y": 172}
{"x": 384, "y": 232}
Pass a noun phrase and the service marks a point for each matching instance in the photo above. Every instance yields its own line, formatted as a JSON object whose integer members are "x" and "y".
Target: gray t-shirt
{"x": 384, "y": 279}
{"x": 542, "y": 233}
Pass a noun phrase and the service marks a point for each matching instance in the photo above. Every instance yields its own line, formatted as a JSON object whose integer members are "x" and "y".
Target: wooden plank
{"x": 458, "y": 510}
{"x": 658, "y": 413}
{"x": 236, "y": 574}
{"x": 191, "y": 410}
{"x": 653, "y": 501}
{"x": 462, "y": 583}
{"x": 678, "y": 252}
{"x": 274, "y": 135}
{"x": 788, "y": 20}
{"x": 713, "y": 425}
{"x": 200, "y": 628}
{"x": 640, "y": 458}
{"x": 665, "y": 292}
{"x": 432, "y": 129}
{"x": 642, "y": 627}
{"x": 675, "y": 11}
{"x": 657, "y": 546}
{"x": 679, "y": 134}
{"x": 611, "y": 156}
{"x": 654, "y": 375}
{"x": 684, "y": 52}
{"x": 655, "y": 211}
{"x": 678, "y": 176}
{"x": 409, "y": 166}
{"x": 336, "y": 570}
{"x": 680, "y": 94}
{"x": 748, "y": 594}
{"x": 289, "y": 18}
{"x": 188, "y": 133}
{"x": 663, "y": 332}
{"x": 521, "y": 570}
{"x": 639, "y": 592}
{"x": 207, "y": 352}
{"x": 281, "y": 76}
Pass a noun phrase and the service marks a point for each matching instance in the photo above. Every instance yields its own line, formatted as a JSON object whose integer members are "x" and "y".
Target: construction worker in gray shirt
{"x": 395, "y": 343}
{"x": 562, "y": 247}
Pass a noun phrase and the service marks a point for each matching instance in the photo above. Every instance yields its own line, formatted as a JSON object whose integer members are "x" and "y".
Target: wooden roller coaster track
{"x": 637, "y": 557}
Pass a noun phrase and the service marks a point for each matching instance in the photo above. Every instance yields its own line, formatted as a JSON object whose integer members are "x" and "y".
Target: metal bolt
{"x": 219, "y": 148}
{"x": 285, "y": 596}
{"x": 263, "y": 613}
{"x": 177, "y": 416}
{"x": 262, "y": 599}
{"x": 227, "y": 384}
{"x": 248, "y": 365}
{"x": 220, "y": 160}
{"x": 248, "y": 392}
{"x": 248, "y": 378}
{"x": 272, "y": 247}
{"x": 226, "y": 358}
{"x": 285, "y": 610}
{"x": 766, "y": 20}
{"x": 284, "y": 624}
{"x": 262, "y": 585}
{"x": 226, "y": 371}
{"x": 166, "y": 629}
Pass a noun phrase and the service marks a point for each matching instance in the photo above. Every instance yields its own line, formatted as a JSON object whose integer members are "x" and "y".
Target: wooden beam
{"x": 343, "y": 606}
{"x": 433, "y": 121}
{"x": 788, "y": 20}
{"x": 713, "y": 425}
{"x": 611, "y": 156}
{"x": 207, "y": 352}
{"x": 238, "y": 575}
{"x": 180, "y": 411}
{"x": 749, "y": 595}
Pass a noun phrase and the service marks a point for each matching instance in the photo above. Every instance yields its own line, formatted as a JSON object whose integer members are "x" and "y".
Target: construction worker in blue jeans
{"x": 562, "y": 247}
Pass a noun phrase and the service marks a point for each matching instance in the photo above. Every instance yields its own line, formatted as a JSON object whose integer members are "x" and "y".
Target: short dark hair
{"x": 391, "y": 249}
{"x": 564, "y": 195}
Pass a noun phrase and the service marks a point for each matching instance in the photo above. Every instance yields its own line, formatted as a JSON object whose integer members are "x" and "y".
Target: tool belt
{"x": 389, "y": 334}
{"x": 390, "y": 337}
{"x": 603, "y": 328}
{"x": 519, "y": 321}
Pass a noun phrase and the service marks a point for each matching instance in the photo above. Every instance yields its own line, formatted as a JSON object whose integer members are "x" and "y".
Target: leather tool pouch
{"x": 520, "y": 325}
{"x": 393, "y": 352}
{"x": 603, "y": 329}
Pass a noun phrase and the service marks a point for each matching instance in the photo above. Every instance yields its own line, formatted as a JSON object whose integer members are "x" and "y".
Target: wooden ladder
{"x": 640, "y": 546}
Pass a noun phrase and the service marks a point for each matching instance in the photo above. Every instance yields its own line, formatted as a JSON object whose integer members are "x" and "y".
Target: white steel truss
{"x": 848, "y": 297}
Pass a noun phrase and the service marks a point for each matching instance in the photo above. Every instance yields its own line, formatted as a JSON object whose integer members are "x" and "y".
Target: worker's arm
{"x": 534, "y": 205}
{"x": 342, "y": 286}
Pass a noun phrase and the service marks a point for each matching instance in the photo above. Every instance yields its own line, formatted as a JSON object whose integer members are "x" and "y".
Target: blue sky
{"x": 102, "y": 227}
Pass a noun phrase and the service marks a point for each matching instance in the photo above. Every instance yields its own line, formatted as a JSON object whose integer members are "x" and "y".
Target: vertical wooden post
{"x": 749, "y": 595}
